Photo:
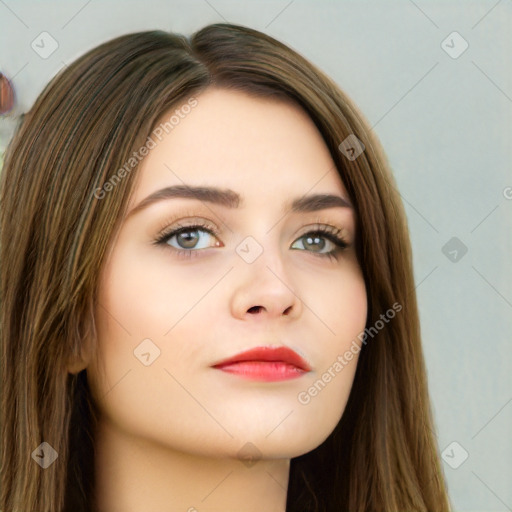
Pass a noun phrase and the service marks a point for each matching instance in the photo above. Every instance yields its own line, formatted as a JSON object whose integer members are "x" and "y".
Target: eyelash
{"x": 330, "y": 233}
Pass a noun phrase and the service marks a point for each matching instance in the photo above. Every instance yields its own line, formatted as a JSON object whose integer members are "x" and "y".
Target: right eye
{"x": 188, "y": 239}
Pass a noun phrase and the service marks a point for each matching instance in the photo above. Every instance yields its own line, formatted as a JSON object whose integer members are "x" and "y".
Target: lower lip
{"x": 266, "y": 371}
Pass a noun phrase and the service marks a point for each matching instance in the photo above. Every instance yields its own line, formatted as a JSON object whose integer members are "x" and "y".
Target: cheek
{"x": 345, "y": 307}
{"x": 342, "y": 308}
{"x": 144, "y": 294}
{"x": 147, "y": 319}
{"x": 349, "y": 321}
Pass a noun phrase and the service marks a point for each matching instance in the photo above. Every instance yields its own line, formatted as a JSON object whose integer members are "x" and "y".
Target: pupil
{"x": 315, "y": 241}
{"x": 189, "y": 239}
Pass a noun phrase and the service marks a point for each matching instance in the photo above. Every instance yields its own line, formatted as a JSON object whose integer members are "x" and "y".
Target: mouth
{"x": 265, "y": 364}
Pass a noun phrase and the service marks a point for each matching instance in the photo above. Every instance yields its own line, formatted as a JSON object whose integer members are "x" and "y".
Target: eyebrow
{"x": 230, "y": 199}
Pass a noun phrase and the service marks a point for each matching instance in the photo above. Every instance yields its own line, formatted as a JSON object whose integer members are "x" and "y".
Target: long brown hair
{"x": 55, "y": 231}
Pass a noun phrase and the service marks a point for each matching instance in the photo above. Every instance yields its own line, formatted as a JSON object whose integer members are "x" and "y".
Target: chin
{"x": 287, "y": 444}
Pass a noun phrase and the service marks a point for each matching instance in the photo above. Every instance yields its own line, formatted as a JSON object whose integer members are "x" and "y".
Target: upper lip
{"x": 278, "y": 354}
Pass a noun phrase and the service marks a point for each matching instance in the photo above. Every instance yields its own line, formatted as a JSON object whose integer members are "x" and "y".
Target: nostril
{"x": 255, "y": 309}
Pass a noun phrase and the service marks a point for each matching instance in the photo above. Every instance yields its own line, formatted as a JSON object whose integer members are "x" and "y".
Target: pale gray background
{"x": 446, "y": 127}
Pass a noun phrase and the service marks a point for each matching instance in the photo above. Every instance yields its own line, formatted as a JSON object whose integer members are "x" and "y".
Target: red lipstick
{"x": 266, "y": 364}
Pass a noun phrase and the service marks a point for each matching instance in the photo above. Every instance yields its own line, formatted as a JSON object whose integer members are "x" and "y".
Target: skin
{"x": 170, "y": 433}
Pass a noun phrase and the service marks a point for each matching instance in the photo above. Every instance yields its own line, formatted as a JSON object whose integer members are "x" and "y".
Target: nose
{"x": 263, "y": 291}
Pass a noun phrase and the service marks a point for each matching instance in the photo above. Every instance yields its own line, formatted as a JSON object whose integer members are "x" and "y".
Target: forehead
{"x": 261, "y": 147}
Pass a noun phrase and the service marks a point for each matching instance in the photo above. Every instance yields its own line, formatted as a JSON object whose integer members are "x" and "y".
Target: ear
{"x": 78, "y": 363}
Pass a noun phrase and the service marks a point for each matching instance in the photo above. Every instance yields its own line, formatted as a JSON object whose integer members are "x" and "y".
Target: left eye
{"x": 312, "y": 241}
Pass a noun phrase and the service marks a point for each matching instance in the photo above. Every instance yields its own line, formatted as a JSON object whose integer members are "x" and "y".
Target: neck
{"x": 134, "y": 474}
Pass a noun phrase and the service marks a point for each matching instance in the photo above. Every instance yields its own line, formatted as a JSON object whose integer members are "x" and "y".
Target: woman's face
{"x": 253, "y": 274}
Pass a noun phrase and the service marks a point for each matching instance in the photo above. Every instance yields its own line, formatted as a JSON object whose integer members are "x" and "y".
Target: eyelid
{"x": 192, "y": 217}
{"x": 175, "y": 222}
{"x": 322, "y": 224}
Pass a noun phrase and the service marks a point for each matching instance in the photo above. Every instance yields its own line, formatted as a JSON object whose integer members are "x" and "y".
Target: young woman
{"x": 207, "y": 298}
